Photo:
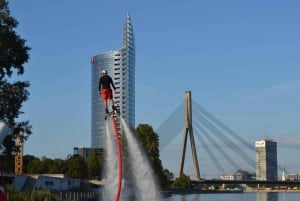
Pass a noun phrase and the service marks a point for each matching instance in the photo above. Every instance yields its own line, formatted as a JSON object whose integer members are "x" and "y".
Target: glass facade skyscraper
{"x": 120, "y": 65}
{"x": 266, "y": 160}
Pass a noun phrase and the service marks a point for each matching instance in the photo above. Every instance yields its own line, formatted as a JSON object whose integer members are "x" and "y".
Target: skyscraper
{"x": 266, "y": 160}
{"x": 120, "y": 65}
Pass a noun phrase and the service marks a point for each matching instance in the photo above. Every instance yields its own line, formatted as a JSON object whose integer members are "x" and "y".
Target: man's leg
{"x": 111, "y": 100}
{"x": 105, "y": 106}
{"x": 112, "y": 104}
{"x": 104, "y": 98}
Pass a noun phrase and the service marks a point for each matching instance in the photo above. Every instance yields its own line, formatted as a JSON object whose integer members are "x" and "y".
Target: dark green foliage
{"x": 183, "y": 182}
{"x": 14, "y": 194}
{"x": 31, "y": 164}
{"x": 36, "y": 195}
{"x": 58, "y": 166}
{"x": 12, "y": 95}
{"x": 94, "y": 164}
{"x": 34, "y": 165}
{"x": 51, "y": 166}
{"x": 169, "y": 174}
{"x": 13, "y": 51}
{"x": 76, "y": 167}
{"x": 150, "y": 141}
{"x": 13, "y": 56}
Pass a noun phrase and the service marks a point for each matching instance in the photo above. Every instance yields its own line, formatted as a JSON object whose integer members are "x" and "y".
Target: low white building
{"x": 46, "y": 181}
{"x": 56, "y": 183}
{"x": 238, "y": 175}
{"x": 227, "y": 177}
{"x": 290, "y": 177}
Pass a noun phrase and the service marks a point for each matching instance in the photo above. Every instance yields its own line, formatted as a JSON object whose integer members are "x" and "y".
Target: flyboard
{"x": 113, "y": 116}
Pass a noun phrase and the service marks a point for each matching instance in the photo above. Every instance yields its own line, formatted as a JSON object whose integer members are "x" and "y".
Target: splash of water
{"x": 143, "y": 174}
{"x": 111, "y": 165}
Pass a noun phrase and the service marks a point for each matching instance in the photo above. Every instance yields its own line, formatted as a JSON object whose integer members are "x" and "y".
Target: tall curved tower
{"x": 128, "y": 76}
{"x": 120, "y": 65}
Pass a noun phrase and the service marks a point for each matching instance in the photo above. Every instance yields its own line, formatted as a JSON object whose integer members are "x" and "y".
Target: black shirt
{"x": 105, "y": 81}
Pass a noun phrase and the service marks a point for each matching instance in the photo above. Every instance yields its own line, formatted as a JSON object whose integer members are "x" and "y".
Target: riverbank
{"x": 271, "y": 191}
{"x": 196, "y": 191}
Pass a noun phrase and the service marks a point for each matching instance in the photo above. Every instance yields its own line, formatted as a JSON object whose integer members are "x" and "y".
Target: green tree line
{"x": 76, "y": 166}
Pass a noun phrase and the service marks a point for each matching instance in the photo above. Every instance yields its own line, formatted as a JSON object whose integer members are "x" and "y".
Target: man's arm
{"x": 112, "y": 84}
{"x": 99, "y": 87}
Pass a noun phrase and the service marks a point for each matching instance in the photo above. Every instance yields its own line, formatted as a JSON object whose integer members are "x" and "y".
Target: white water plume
{"x": 111, "y": 165}
{"x": 142, "y": 171}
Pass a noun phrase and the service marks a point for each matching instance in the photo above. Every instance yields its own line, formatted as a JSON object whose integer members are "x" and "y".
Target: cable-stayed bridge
{"x": 226, "y": 150}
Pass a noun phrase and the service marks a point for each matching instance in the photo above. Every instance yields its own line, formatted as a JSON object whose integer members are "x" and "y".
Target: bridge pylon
{"x": 188, "y": 130}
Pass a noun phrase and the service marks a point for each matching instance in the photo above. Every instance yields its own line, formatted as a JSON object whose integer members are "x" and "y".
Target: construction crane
{"x": 6, "y": 130}
{"x": 19, "y": 156}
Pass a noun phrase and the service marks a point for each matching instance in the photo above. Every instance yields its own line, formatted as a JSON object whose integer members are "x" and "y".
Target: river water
{"x": 253, "y": 196}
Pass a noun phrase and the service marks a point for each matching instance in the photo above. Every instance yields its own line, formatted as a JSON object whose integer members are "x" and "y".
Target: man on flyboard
{"x": 105, "y": 82}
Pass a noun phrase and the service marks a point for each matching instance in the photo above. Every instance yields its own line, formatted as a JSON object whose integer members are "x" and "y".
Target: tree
{"x": 76, "y": 167}
{"x": 36, "y": 195}
{"x": 32, "y": 166}
{"x": 27, "y": 162}
{"x": 182, "y": 182}
{"x": 58, "y": 166}
{"x": 150, "y": 141}
{"x": 94, "y": 164}
{"x": 169, "y": 174}
{"x": 13, "y": 56}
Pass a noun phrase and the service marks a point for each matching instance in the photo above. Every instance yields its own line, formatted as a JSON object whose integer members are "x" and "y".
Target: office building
{"x": 120, "y": 65}
{"x": 238, "y": 175}
{"x": 266, "y": 160}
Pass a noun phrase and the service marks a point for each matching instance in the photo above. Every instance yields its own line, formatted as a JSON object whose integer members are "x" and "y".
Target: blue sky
{"x": 240, "y": 59}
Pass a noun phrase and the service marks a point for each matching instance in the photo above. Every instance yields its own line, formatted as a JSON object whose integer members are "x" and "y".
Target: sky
{"x": 240, "y": 59}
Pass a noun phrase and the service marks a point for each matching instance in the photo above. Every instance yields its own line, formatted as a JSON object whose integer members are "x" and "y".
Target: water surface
{"x": 260, "y": 196}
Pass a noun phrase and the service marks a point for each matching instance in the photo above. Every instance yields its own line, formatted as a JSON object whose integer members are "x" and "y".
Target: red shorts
{"x": 106, "y": 94}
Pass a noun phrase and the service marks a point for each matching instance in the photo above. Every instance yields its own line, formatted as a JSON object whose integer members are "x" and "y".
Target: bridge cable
{"x": 214, "y": 130}
{"x": 223, "y": 126}
{"x": 227, "y": 129}
{"x": 219, "y": 148}
{"x": 210, "y": 153}
{"x": 171, "y": 127}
